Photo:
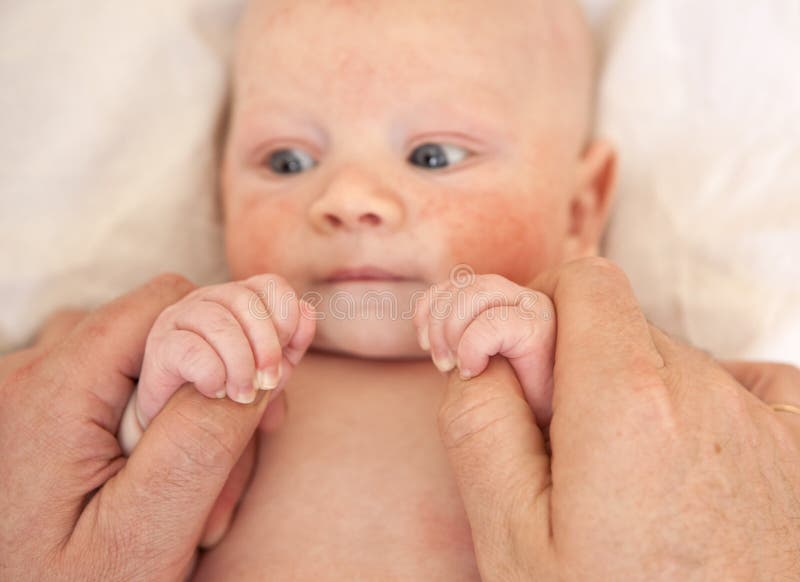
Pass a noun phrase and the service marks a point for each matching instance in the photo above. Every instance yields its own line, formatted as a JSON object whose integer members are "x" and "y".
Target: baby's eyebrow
{"x": 470, "y": 120}
{"x": 273, "y": 118}
{"x": 479, "y": 115}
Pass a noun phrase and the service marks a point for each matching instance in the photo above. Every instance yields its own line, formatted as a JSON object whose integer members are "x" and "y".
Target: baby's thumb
{"x": 164, "y": 494}
{"x": 502, "y": 468}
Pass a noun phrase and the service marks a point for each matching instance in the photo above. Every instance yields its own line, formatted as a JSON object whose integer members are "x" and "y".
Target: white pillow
{"x": 109, "y": 114}
{"x": 703, "y": 99}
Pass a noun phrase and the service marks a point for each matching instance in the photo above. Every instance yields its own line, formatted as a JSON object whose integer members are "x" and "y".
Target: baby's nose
{"x": 355, "y": 206}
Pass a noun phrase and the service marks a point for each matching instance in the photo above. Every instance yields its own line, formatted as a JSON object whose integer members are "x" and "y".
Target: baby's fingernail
{"x": 444, "y": 363}
{"x": 463, "y": 372}
{"x": 423, "y": 339}
{"x": 219, "y": 395}
{"x": 139, "y": 416}
{"x": 245, "y": 396}
{"x": 268, "y": 378}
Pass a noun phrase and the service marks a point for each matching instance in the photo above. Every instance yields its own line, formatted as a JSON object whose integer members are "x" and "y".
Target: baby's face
{"x": 410, "y": 137}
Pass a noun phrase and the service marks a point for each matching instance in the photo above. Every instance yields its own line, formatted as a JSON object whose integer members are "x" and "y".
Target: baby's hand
{"x": 230, "y": 339}
{"x": 466, "y": 320}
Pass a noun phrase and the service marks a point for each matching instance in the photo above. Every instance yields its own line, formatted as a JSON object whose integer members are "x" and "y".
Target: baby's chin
{"x": 368, "y": 339}
{"x": 380, "y": 330}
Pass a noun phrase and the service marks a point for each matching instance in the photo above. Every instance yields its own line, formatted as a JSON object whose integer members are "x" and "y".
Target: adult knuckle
{"x": 472, "y": 415}
{"x": 172, "y": 282}
{"x": 24, "y": 372}
{"x": 97, "y": 328}
{"x": 201, "y": 442}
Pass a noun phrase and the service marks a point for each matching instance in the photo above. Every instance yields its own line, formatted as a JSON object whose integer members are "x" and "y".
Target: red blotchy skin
{"x": 511, "y": 243}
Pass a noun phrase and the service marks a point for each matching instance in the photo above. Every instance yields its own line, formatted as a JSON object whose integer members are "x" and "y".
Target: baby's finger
{"x": 442, "y": 305}
{"x": 421, "y": 316}
{"x": 461, "y": 302}
{"x": 252, "y": 315}
{"x": 486, "y": 292}
{"x": 273, "y": 298}
{"x": 528, "y": 345}
{"x": 217, "y": 325}
{"x": 303, "y": 336}
{"x": 172, "y": 359}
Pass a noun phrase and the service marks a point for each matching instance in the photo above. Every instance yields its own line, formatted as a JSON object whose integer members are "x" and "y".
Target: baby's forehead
{"x": 341, "y": 47}
{"x": 509, "y": 27}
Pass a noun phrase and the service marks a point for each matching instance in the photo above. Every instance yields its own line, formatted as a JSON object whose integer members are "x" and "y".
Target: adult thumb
{"x": 169, "y": 485}
{"x": 502, "y": 468}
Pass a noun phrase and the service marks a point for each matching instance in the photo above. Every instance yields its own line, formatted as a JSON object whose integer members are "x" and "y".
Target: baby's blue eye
{"x": 433, "y": 156}
{"x": 290, "y": 161}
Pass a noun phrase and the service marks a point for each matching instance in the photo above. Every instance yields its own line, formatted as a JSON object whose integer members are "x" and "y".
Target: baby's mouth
{"x": 363, "y": 273}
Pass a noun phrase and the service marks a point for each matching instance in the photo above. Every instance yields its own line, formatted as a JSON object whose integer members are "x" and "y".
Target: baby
{"x": 395, "y": 174}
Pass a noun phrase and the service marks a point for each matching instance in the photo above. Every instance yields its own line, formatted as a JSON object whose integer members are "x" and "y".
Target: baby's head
{"x": 412, "y": 137}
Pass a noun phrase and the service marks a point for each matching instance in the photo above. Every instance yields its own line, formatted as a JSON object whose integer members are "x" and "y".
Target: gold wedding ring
{"x": 782, "y": 407}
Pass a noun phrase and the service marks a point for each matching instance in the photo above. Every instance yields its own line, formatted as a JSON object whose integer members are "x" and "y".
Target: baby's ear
{"x": 591, "y": 201}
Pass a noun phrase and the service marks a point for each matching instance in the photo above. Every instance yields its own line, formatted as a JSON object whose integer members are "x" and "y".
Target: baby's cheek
{"x": 493, "y": 234}
{"x": 259, "y": 238}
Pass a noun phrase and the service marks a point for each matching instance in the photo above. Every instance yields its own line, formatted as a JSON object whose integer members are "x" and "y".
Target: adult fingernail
{"x": 268, "y": 378}
{"x": 445, "y": 362}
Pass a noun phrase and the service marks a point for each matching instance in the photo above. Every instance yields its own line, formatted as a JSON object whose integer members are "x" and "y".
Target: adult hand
{"x": 663, "y": 466}
{"x": 71, "y": 506}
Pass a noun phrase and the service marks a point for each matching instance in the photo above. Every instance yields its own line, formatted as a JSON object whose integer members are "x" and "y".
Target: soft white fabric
{"x": 703, "y": 99}
{"x": 108, "y": 113}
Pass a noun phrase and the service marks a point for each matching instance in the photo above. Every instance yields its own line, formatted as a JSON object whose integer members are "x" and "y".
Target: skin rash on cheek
{"x": 257, "y": 235}
{"x": 493, "y": 234}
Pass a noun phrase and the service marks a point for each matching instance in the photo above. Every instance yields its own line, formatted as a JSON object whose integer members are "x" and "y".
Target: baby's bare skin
{"x": 414, "y": 138}
{"x": 354, "y": 486}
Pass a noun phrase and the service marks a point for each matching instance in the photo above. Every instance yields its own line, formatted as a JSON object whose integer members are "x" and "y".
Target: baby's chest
{"x": 350, "y": 489}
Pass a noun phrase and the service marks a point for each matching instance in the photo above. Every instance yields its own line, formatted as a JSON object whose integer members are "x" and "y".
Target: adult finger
{"x": 74, "y": 395}
{"x": 607, "y": 368}
{"x": 222, "y": 514}
{"x": 54, "y": 329}
{"x": 219, "y": 520}
{"x": 773, "y": 383}
{"x": 501, "y": 465}
{"x": 172, "y": 480}
{"x": 105, "y": 349}
{"x": 59, "y": 325}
